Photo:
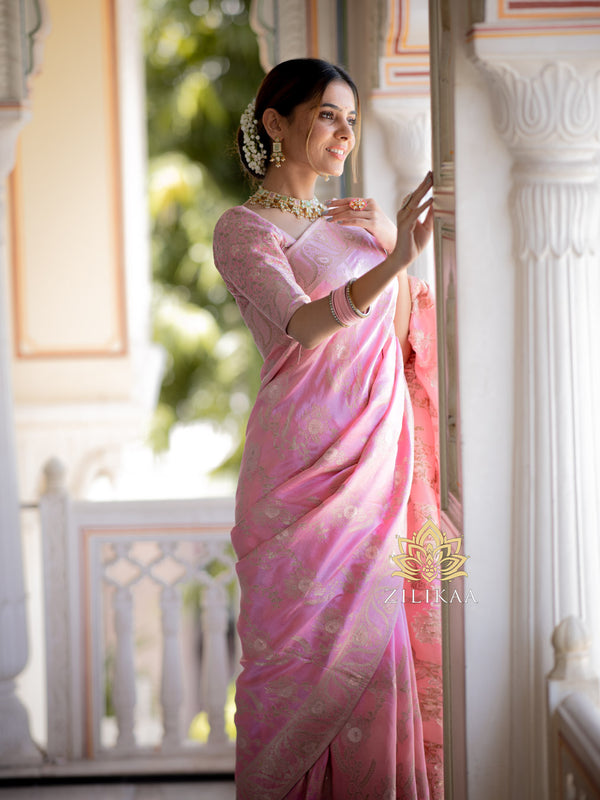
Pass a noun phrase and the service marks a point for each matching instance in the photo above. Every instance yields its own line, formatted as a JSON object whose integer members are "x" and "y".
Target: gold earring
{"x": 277, "y": 156}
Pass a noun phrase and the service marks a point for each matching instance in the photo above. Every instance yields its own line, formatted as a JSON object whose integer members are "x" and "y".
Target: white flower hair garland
{"x": 254, "y": 149}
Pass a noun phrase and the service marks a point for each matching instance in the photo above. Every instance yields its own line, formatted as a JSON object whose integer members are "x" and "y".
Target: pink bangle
{"x": 357, "y": 311}
{"x": 342, "y": 308}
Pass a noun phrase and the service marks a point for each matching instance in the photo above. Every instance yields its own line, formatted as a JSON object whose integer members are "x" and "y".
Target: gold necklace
{"x": 311, "y": 209}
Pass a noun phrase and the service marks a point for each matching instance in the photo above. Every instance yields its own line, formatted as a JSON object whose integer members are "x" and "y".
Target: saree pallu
{"x": 423, "y": 615}
{"x": 327, "y": 701}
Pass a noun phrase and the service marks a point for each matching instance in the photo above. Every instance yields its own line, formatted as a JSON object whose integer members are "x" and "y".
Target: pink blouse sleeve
{"x": 249, "y": 255}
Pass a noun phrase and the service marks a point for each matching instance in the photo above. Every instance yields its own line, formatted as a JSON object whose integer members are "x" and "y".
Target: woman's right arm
{"x": 313, "y": 322}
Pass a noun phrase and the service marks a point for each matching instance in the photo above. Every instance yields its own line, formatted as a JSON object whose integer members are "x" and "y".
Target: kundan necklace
{"x": 311, "y": 209}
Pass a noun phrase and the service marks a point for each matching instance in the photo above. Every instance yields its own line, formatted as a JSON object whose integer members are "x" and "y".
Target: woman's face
{"x": 331, "y": 139}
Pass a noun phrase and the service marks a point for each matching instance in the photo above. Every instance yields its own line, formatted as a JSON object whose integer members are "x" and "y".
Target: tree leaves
{"x": 202, "y": 69}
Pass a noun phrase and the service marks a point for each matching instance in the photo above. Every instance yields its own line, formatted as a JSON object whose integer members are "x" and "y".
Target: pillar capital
{"x": 545, "y": 88}
{"x": 407, "y": 132}
{"x": 546, "y": 109}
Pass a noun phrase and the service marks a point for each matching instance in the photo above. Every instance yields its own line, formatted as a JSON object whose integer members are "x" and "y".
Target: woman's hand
{"x": 413, "y": 235}
{"x": 313, "y": 322}
{"x": 364, "y": 214}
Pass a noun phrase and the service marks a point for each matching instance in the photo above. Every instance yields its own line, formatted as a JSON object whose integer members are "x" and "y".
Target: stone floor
{"x": 148, "y": 790}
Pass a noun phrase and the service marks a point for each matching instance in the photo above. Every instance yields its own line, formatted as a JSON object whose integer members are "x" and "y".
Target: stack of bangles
{"x": 343, "y": 310}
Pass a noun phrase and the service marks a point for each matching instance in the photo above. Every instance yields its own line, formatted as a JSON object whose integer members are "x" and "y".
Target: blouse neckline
{"x": 287, "y": 236}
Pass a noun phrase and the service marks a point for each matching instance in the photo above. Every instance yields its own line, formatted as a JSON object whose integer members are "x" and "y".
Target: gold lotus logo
{"x": 430, "y": 556}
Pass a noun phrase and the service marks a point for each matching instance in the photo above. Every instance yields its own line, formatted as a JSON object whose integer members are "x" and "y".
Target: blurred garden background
{"x": 202, "y": 69}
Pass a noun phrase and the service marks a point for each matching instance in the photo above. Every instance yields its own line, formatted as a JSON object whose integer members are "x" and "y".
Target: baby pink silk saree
{"x": 327, "y": 701}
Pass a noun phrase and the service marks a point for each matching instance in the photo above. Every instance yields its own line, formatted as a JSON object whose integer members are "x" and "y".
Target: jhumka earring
{"x": 277, "y": 156}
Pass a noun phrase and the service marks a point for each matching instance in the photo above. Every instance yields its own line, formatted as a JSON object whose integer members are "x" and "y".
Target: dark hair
{"x": 286, "y": 86}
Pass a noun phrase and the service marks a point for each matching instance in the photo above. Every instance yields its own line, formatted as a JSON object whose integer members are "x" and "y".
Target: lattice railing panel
{"x": 142, "y": 604}
{"x": 151, "y": 587}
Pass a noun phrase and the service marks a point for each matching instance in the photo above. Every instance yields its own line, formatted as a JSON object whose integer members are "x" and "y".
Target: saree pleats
{"x": 368, "y": 758}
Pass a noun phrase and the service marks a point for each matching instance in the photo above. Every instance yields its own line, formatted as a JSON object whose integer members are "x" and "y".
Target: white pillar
{"x": 124, "y": 689}
{"x": 171, "y": 686}
{"x": 215, "y": 668}
{"x": 406, "y": 127}
{"x": 16, "y": 745}
{"x": 547, "y": 110}
{"x": 22, "y": 26}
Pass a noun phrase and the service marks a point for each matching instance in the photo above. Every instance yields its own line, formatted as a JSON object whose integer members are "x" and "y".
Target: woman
{"x": 327, "y": 703}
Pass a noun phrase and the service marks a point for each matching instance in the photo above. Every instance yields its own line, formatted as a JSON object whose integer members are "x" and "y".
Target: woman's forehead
{"x": 339, "y": 94}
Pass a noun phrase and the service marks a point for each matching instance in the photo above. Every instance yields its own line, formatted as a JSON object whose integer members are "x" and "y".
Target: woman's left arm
{"x": 372, "y": 219}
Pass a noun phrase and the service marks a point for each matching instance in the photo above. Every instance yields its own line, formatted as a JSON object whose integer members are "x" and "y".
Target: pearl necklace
{"x": 311, "y": 209}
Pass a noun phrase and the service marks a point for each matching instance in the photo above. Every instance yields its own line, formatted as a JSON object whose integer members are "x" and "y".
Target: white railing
{"x": 141, "y": 600}
{"x": 574, "y": 716}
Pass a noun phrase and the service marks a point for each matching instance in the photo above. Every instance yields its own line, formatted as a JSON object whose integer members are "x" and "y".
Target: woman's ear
{"x": 273, "y": 123}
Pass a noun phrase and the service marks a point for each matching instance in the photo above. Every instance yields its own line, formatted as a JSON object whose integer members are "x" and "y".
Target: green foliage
{"x": 202, "y": 69}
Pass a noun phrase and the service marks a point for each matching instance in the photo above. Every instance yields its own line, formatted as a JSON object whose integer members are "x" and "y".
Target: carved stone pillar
{"x": 17, "y": 51}
{"x": 406, "y": 126}
{"x": 408, "y": 140}
{"x": 16, "y": 745}
{"x": 547, "y": 110}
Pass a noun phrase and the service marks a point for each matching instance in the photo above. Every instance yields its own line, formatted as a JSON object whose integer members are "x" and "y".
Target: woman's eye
{"x": 329, "y": 115}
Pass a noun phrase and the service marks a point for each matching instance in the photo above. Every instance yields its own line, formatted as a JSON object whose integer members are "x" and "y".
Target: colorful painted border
{"x": 559, "y": 9}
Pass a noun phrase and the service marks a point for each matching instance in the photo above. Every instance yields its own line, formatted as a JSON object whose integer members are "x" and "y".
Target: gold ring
{"x": 357, "y": 204}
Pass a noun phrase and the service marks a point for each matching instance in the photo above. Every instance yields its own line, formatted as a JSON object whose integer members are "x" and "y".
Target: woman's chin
{"x": 333, "y": 171}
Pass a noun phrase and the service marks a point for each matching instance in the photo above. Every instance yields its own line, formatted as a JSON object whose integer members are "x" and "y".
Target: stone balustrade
{"x": 141, "y": 601}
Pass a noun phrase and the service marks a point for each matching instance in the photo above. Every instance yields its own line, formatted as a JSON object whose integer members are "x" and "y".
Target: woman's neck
{"x": 286, "y": 183}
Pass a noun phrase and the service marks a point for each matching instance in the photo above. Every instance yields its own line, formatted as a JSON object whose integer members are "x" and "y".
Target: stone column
{"x": 284, "y": 30}
{"x": 547, "y": 110}
{"x": 20, "y": 24}
{"x": 16, "y": 745}
{"x": 406, "y": 127}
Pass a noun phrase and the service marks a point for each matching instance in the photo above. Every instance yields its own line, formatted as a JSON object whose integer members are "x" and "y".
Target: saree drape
{"x": 327, "y": 702}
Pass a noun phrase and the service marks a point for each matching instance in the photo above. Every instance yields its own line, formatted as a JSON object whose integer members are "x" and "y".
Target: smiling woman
{"x": 319, "y": 133}
{"x": 327, "y": 700}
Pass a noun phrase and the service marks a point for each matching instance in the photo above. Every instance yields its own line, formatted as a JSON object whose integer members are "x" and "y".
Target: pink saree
{"x": 327, "y": 703}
